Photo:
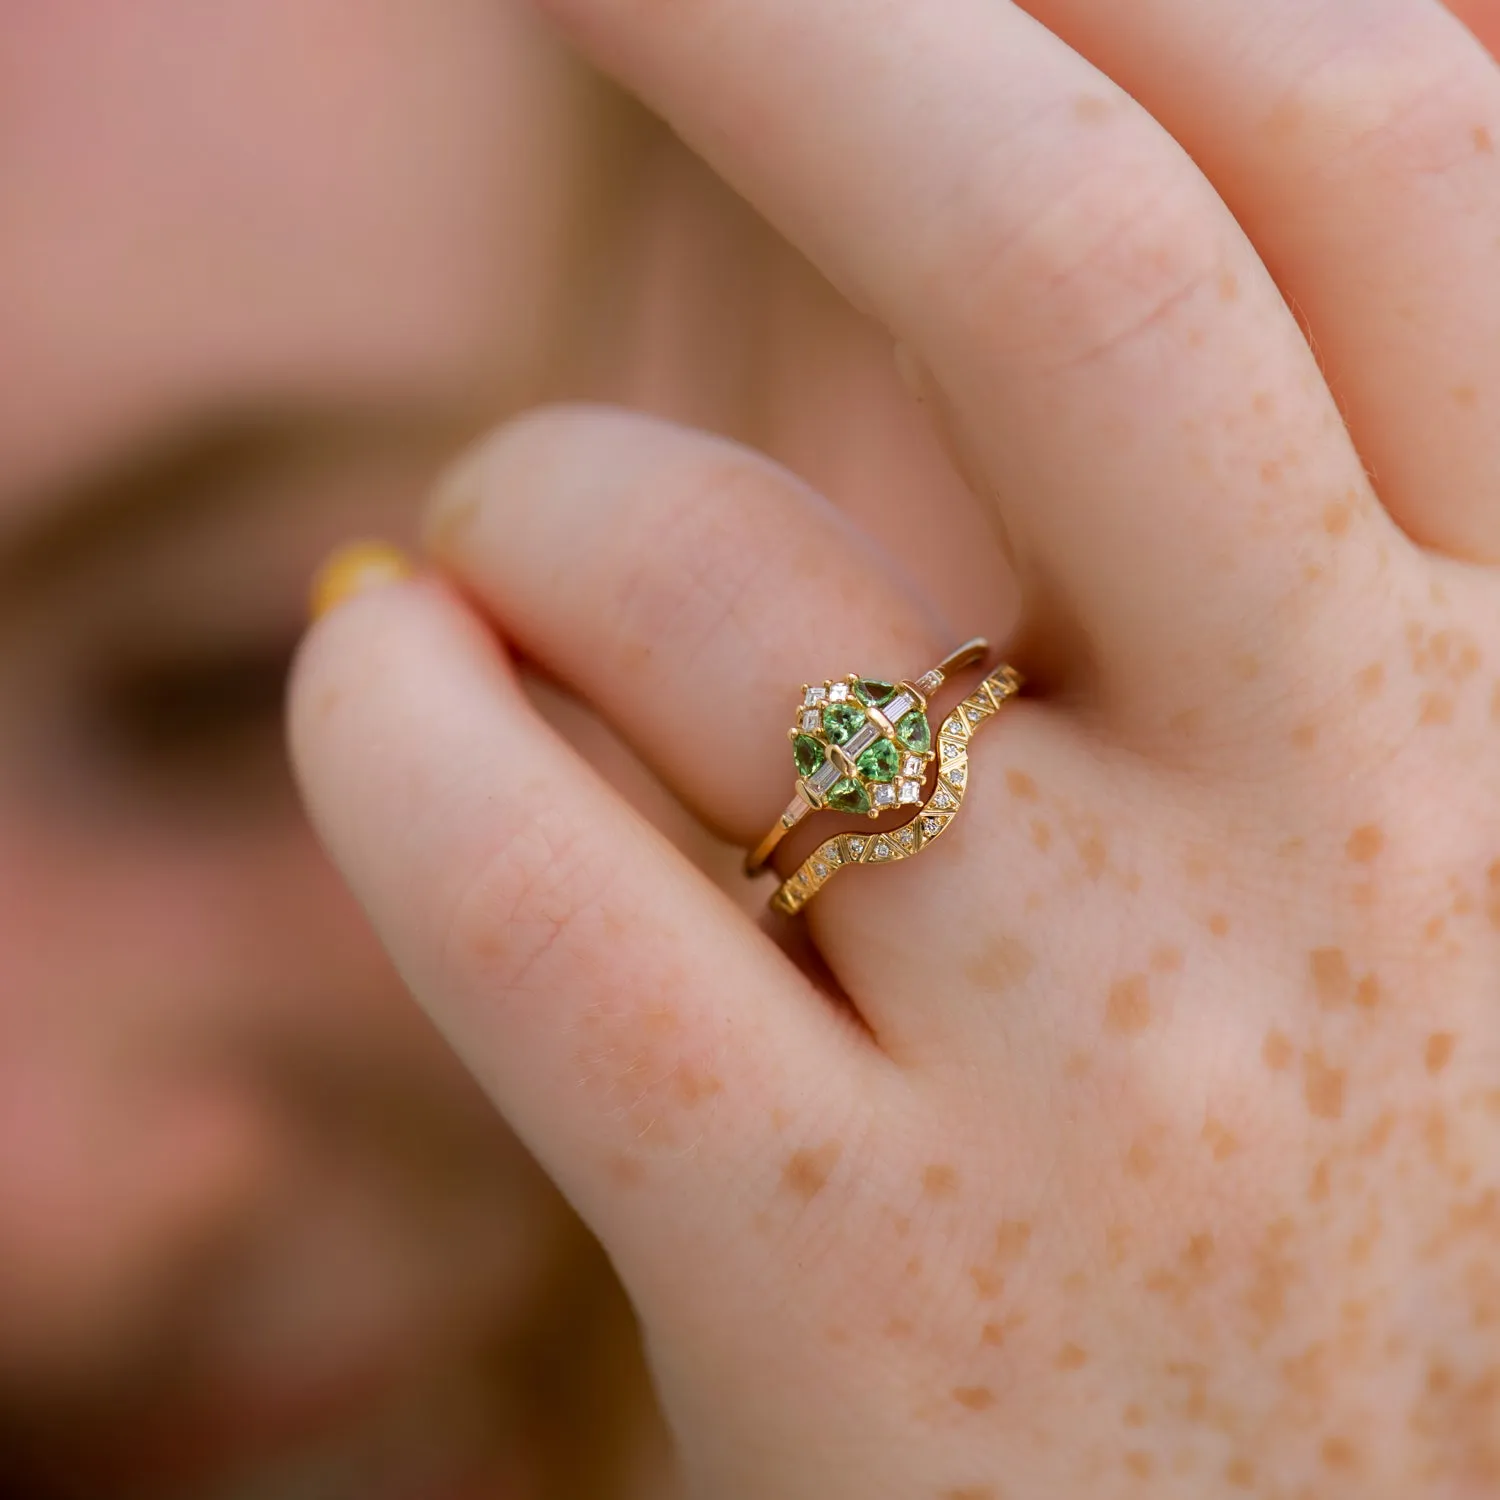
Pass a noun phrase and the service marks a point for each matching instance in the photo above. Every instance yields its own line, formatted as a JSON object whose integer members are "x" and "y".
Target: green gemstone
{"x": 840, "y": 720}
{"x": 809, "y": 754}
{"x": 877, "y": 693}
{"x": 915, "y": 732}
{"x": 880, "y": 762}
{"x": 847, "y": 796}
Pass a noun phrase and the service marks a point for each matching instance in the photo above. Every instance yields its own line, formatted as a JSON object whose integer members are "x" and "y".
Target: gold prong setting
{"x": 861, "y": 744}
{"x": 932, "y": 818}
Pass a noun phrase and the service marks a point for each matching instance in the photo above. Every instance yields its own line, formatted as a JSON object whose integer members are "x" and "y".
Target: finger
{"x": 683, "y": 586}
{"x": 1358, "y": 142}
{"x": 1482, "y": 17}
{"x": 628, "y": 1021}
{"x": 1164, "y": 450}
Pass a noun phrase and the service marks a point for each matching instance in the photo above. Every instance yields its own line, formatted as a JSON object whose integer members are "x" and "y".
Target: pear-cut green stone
{"x": 840, "y": 720}
{"x": 869, "y": 690}
{"x": 915, "y": 732}
{"x": 880, "y": 762}
{"x": 809, "y": 754}
{"x": 847, "y": 796}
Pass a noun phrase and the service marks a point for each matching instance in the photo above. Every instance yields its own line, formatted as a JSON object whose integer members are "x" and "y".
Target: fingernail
{"x": 356, "y": 568}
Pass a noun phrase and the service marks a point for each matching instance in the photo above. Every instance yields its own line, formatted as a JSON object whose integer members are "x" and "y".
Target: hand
{"x": 1150, "y": 1142}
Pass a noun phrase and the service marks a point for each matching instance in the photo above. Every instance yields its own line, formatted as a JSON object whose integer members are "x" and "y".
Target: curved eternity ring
{"x": 861, "y": 746}
{"x": 934, "y": 815}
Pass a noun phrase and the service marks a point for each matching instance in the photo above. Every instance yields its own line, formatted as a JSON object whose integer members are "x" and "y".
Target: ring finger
{"x": 684, "y": 587}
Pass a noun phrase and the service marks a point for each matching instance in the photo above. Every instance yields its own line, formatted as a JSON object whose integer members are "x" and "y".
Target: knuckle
{"x": 712, "y": 549}
{"x": 1114, "y": 259}
{"x": 507, "y": 919}
{"x": 1391, "y": 105}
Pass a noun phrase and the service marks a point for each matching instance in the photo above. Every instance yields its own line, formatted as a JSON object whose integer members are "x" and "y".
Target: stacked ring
{"x": 865, "y": 745}
{"x": 933, "y": 816}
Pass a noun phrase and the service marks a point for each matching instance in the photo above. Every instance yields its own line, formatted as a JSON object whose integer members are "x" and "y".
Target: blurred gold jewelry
{"x": 934, "y": 815}
{"x": 861, "y": 745}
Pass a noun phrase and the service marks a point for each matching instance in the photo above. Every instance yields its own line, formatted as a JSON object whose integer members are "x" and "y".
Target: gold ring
{"x": 932, "y": 817}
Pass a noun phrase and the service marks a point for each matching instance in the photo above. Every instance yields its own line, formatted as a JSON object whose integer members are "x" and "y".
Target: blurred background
{"x": 264, "y": 266}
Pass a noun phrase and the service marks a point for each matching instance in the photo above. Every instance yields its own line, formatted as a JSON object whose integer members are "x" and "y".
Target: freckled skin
{"x": 1021, "y": 785}
{"x": 1337, "y": 518}
{"x": 1319, "y": 1188}
{"x": 1277, "y": 1051}
{"x": 1166, "y": 958}
{"x": 1439, "y": 1051}
{"x": 1200, "y": 1180}
{"x": 988, "y": 1283}
{"x": 1323, "y": 1086}
{"x": 974, "y": 1397}
{"x": 1331, "y": 976}
{"x": 1129, "y": 1009}
{"x": 1437, "y": 709}
{"x": 1012, "y": 1239}
{"x": 1003, "y": 963}
{"x": 940, "y": 1180}
{"x": 807, "y": 1171}
{"x": 1220, "y": 1140}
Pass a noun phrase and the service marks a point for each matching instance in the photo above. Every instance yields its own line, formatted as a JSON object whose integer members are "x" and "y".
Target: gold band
{"x": 833, "y": 854}
{"x": 914, "y": 694}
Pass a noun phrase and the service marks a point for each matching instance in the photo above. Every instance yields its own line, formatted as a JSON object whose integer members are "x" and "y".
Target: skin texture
{"x": 1145, "y": 1136}
{"x": 273, "y": 262}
